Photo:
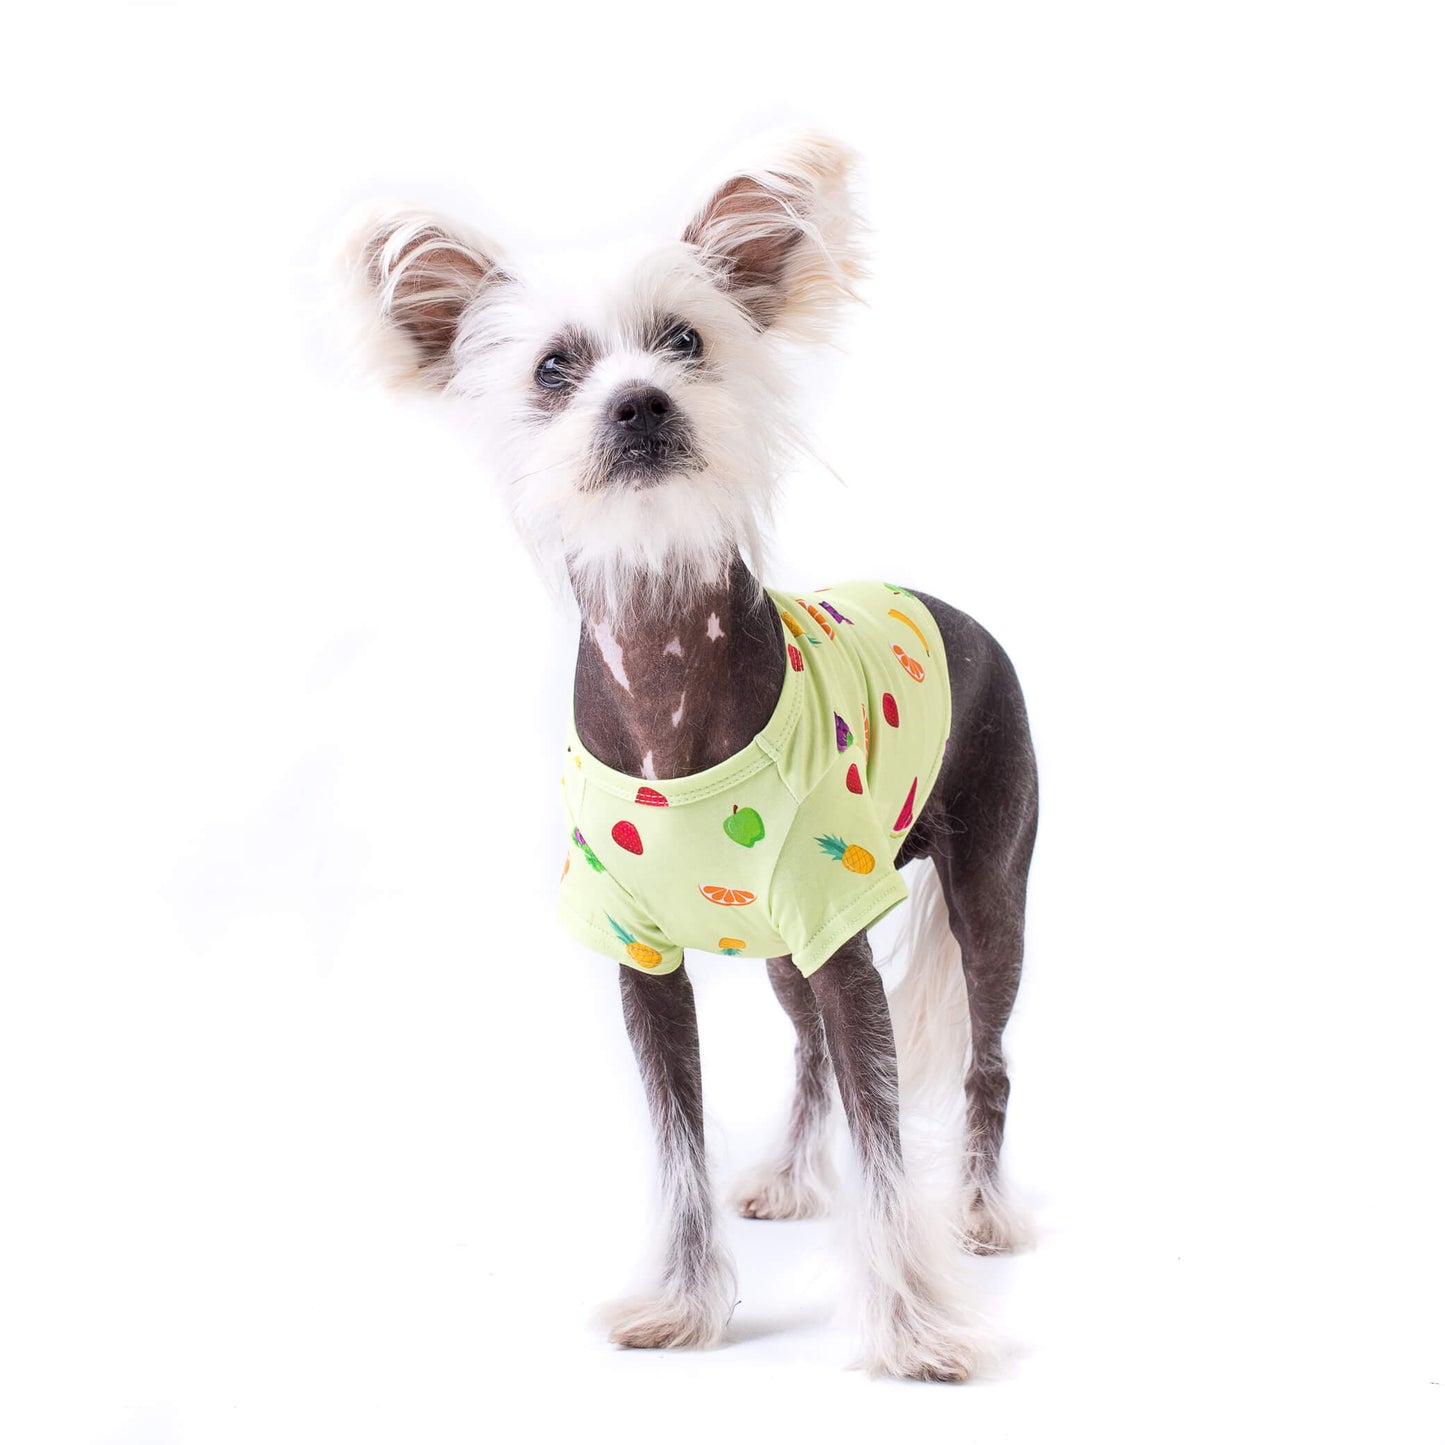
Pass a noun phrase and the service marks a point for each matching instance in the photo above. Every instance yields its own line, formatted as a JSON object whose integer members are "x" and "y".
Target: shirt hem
{"x": 598, "y": 941}
{"x": 864, "y": 912}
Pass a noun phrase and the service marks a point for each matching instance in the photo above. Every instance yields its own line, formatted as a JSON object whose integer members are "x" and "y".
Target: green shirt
{"x": 786, "y": 847}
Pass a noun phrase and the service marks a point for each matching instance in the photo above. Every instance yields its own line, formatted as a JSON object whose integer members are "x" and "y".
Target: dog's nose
{"x": 641, "y": 409}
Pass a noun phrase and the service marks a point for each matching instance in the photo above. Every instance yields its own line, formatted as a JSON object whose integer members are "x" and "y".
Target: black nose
{"x": 641, "y": 409}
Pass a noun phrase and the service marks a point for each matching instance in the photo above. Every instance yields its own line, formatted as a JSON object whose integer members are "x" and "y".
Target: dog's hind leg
{"x": 912, "y": 1308}
{"x": 986, "y": 911}
{"x": 797, "y": 1184}
{"x": 979, "y": 828}
{"x": 697, "y": 1290}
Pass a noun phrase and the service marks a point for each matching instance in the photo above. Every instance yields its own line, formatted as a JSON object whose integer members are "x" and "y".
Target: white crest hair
{"x": 764, "y": 263}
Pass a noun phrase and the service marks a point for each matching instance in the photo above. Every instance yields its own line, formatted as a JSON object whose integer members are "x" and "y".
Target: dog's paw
{"x": 992, "y": 1222}
{"x": 666, "y": 1322}
{"x": 781, "y": 1194}
{"x": 910, "y": 1351}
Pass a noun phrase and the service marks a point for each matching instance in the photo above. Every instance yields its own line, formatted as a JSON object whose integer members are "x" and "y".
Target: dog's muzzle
{"x": 644, "y": 440}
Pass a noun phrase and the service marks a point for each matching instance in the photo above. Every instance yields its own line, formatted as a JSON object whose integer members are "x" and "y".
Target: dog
{"x": 638, "y": 411}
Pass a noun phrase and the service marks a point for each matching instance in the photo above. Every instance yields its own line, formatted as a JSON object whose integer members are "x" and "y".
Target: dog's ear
{"x": 410, "y": 274}
{"x": 783, "y": 239}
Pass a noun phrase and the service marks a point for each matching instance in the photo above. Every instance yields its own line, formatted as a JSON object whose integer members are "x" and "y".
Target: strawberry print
{"x": 855, "y": 782}
{"x": 795, "y": 658}
{"x": 625, "y": 835}
{"x": 651, "y": 798}
{"x": 890, "y": 709}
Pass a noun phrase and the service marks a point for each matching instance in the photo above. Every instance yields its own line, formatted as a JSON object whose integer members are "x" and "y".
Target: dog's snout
{"x": 641, "y": 409}
{"x": 643, "y": 437}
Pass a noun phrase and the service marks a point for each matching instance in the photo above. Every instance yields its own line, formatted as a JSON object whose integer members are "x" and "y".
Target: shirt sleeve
{"x": 601, "y": 915}
{"x": 835, "y": 874}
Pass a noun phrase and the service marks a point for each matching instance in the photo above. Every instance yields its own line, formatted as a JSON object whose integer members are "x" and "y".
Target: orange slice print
{"x": 817, "y": 617}
{"x": 727, "y": 897}
{"x": 911, "y": 666}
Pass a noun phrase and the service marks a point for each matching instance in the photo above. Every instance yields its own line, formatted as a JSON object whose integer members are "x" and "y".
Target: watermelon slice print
{"x": 905, "y": 818}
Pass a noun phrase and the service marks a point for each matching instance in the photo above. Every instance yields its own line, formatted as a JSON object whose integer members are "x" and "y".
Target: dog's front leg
{"x": 696, "y": 1294}
{"x": 912, "y": 1313}
{"x": 797, "y": 1184}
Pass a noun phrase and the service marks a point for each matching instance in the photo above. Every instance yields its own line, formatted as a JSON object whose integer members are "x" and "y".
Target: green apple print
{"x": 744, "y": 826}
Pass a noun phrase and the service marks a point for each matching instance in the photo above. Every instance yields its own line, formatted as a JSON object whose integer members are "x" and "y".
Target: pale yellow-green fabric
{"x": 788, "y": 846}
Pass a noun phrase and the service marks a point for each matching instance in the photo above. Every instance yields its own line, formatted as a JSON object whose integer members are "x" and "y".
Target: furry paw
{"x": 667, "y": 1322}
{"x": 912, "y": 1350}
{"x": 781, "y": 1194}
{"x": 992, "y": 1222}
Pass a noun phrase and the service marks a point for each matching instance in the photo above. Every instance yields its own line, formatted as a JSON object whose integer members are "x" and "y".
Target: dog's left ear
{"x": 783, "y": 240}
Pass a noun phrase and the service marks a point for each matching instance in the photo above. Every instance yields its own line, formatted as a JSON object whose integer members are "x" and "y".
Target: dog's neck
{"x": 680, "y": 685}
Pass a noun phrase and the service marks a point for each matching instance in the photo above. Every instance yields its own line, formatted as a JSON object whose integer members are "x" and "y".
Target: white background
{"x": 315, "y": 1127}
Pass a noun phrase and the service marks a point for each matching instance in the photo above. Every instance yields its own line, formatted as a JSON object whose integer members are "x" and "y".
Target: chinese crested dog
{"x": 740, "y": 758}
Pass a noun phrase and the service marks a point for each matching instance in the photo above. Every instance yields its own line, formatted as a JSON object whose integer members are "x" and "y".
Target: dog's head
{"x": 637, "y": 406}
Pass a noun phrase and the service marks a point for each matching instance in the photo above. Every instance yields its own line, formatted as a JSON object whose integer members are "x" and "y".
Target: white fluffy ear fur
{"x": 783, "y": 238}
{"x": 409, "y": 274}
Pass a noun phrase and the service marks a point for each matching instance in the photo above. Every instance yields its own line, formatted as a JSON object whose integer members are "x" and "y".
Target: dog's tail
{"x": 929, "y": 1003}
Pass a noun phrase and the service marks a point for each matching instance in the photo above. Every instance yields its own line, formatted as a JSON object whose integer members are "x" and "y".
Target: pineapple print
{"x": 639, "y": 953}
{"x": 850, "y": 855}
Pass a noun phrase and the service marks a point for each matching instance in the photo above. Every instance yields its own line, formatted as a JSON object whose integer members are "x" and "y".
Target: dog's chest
{"x": 801, "y": 824}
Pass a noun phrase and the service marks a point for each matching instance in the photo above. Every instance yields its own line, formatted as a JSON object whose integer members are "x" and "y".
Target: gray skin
{"x": 978, "y": 827}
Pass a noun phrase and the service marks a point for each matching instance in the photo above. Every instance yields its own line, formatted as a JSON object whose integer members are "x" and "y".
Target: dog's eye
{"x": 684, "y": 341}
{"x": 550, "y": 373}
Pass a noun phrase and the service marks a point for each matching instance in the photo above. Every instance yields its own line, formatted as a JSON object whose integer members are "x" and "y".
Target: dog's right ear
{"x": 410, "y": 275}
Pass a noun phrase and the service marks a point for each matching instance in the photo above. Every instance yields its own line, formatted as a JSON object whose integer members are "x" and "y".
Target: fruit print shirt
{"x": 786, "y": 847}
